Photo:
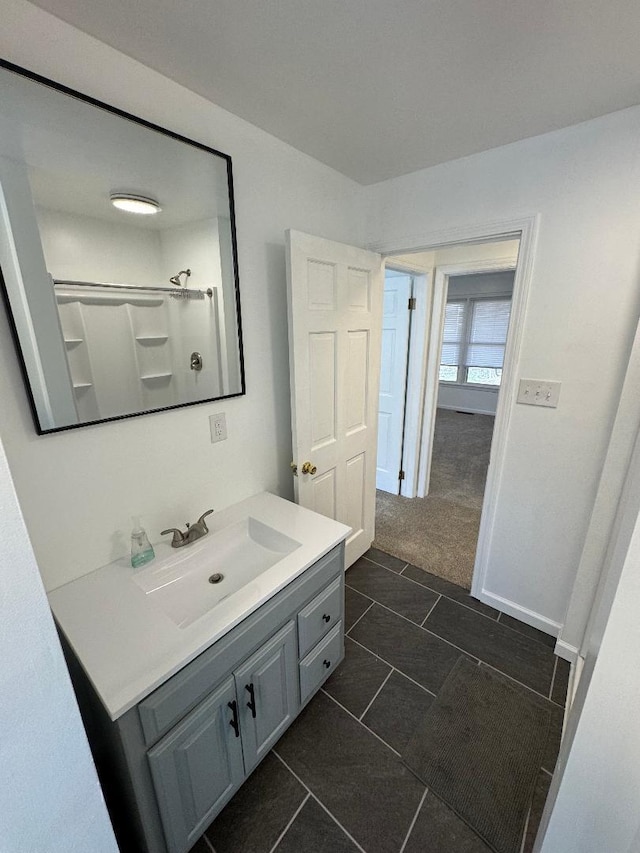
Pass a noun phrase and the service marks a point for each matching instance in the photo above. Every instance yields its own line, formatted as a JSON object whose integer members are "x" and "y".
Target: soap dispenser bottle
{"x": 141, "y": 549}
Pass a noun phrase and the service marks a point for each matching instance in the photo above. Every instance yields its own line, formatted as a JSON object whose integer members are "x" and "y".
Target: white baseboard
{"x": 467, "y": 410}
{"x": 529, "y": 617}
{"x": 566, "y": 651}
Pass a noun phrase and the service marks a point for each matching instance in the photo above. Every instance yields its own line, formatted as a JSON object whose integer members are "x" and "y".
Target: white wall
{"x": 88, "y": 249}
{"x": 479, "y": 401}
{"x": 49, "y": 793}
{"x": 599, "y": 539}
{"x": 499, "y": 251}
{"x": 582, "y": 313}
{"x": 78, "y": 489}
{"x": 482, "y": 284}
{"x": 593, "y": 802}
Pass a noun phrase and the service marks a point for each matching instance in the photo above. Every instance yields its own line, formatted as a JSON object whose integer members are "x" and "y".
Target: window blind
{"x": 453, "y": 332}
{"x": 488, "y": 332}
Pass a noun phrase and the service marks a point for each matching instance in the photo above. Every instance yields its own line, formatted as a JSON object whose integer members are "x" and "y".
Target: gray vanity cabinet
{"x": 267, "y": 690}
{"x": 196, "y": 768}
{"x": 169, "y": 764}
{"x": 199, "y": 764}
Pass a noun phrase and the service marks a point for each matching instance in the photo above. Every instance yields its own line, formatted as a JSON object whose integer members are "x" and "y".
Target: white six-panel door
{"x": 335, "y": 321}
{"x": 393, "y": 379}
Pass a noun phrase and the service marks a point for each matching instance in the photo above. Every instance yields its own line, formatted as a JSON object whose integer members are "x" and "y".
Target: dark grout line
{"x": 426, "y": 630}
{"x": 208, "y": 843}
{"x": 288, "y": 826}
{"x": 364, "y": 725}
{"x": 346, "y": 633}
{"x": 553, "y": 678}
{"x": 520, "y": 683}
{"x": 375, "y": 563}
{"x": 434, "y": 591}
{"x": 318, "y": 800}
{"x": 376, "y": 694}
{"x": 413, "y": 822}
{"x": 415, "y": 583}
{"x": 526, "y": 828}
{"x": 494, "y": 620}
{"x": 430, "y": 611}
{"x": 395, "y": 668}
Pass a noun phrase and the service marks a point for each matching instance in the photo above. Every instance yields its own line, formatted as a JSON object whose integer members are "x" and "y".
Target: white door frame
{"x": 526, "y": 228}
{"x": 432, "y": 356}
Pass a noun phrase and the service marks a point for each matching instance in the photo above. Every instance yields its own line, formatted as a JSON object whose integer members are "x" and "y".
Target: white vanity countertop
{"x": 128, "y": 646}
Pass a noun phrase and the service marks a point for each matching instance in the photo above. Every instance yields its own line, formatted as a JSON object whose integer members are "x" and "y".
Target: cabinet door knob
{"x": 233, "y": 722}
{"x": 251, "y": 704}
{"x": 326, "y": 617}
{"x": 326, "y": 663}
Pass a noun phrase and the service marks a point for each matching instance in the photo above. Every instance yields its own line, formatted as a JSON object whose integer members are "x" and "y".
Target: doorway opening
{"x": 444, "y": 349}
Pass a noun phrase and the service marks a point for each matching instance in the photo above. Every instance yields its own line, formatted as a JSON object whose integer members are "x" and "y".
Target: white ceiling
{"x": 377, "y": 88}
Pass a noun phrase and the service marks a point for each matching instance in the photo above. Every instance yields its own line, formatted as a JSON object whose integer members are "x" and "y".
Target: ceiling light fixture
{"x": 134, "y": 203}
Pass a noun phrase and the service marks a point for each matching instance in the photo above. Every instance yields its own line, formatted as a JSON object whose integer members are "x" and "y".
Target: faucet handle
{"x": 178, "y": 535}
{"x": 201, "y": 520}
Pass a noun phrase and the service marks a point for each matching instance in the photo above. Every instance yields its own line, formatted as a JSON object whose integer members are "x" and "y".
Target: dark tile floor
{"x": 335, "y": 782}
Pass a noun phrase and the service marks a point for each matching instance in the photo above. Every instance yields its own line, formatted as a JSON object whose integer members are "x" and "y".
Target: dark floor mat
{"x": 479, "y": 748}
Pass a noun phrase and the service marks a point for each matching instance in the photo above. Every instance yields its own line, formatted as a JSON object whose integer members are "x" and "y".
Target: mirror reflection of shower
{"x": 175, "y": 279}
{"x": 128, "y": 346}
{"x": 133, "y": 296}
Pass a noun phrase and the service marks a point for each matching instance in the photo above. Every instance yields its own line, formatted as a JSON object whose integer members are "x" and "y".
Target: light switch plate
{"x": 218, "y": 425}
{"x": 538, "y": 392}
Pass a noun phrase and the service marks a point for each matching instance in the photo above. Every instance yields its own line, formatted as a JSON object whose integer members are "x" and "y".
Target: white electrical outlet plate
{"x": 218, "y": 425}
{"x": 537, "y": 392}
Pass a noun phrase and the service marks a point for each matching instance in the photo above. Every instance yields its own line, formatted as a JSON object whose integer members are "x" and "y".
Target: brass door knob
{"x": 294, "y": 468}
{"x": 309, "y": 468}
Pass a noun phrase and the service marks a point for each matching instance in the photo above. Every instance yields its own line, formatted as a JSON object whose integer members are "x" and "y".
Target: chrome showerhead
{"x": 175, "y": 279}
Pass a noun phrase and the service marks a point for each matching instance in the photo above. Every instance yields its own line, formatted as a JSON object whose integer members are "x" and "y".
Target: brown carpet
{"x": 439, "y": 533}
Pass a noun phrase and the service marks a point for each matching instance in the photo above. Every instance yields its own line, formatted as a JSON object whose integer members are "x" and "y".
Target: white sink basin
{"x": 179, "y": 585}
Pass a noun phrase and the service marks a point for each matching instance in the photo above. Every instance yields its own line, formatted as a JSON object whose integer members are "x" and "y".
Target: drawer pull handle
{"x": 326, "y": 663}
{"x": 326, "y": 617}
{"x": 233, "y": 722}
{"x": 251, "y": 704}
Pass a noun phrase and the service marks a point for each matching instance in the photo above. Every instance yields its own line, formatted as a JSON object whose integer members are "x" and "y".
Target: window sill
{"x": 469, "y": 387}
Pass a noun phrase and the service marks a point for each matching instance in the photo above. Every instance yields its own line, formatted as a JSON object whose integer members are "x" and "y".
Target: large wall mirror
{"x": 118, "y": 258}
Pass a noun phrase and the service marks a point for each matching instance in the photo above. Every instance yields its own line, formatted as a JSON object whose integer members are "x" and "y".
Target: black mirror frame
{"x": 59, "y": 87}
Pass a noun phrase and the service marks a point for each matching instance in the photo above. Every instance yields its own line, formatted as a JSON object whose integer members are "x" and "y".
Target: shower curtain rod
{"x": 179, "y": 293}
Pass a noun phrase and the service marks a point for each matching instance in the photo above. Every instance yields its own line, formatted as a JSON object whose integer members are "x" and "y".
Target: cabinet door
{"x": 268, "y": 694}
{"x": 196, "y": 768}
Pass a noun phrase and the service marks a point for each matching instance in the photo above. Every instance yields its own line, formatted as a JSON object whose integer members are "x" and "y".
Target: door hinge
{"x": 401, "y": 475}
{"x": 412, "y": 303}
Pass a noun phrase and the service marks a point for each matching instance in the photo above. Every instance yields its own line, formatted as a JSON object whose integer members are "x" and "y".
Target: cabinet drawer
{"x": 319, "y": 616}
{"x": 320, "y": 663}
{"x": 168, "y": 704}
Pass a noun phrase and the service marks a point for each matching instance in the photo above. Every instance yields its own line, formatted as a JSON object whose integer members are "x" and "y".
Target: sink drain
{"x": 216, "y": 578}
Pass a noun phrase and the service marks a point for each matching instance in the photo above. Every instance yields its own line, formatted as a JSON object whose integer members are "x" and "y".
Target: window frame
{"x": 465, "y": 340}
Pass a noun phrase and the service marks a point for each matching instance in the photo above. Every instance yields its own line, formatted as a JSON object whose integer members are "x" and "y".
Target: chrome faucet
{"x": 193, "y": 532}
